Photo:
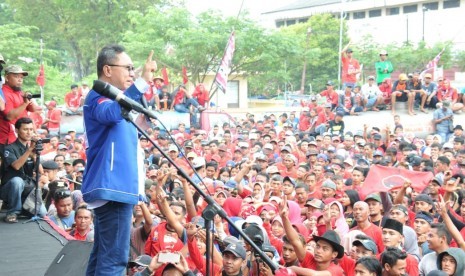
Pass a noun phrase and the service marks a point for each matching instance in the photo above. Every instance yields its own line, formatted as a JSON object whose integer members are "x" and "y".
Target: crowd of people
{"x": 295, "y": 181}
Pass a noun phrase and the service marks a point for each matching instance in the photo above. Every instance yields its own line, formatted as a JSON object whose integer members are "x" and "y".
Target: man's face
{"x": 25, "y": 132}
{"x": 288, "y": 162}
{"x": 213, "y": 148}
{"x": 318, "y": 171}
{"x": 324, "y": 252}
{"x": 83, "y": 219}
{"x": 327, "y": 192}
{"x": 275, "y": 186}
{"x": 310, "y": 181}
{"x": 422, "y": 206}
{"x": 78, "y": 167}
{"x": 210, "y": 172}
{"x": 120, "y": 76}
{"x": 360, "y": 213}
{"x": 178, "y": 213}
{"x": 398, "y": 215}
{"x": 374, "y": 207}
{"x": 301, "y": 195}
{"x": 357, "y": 177}
{"x": 288, "y": 188}
{"x": 15, "y": 81}
{"x": 60, "y": 160}
{"x": 361, "y": 251}
{"x": 434, "y": 241}
{"x": 449, "y": 264}
{"x": 289, "y": 255}
{"x": 421, "y": 226}
{"x": 391, "y": 237}
{"x": 398, "y": 269}
{"x": 231, "y": 264}
{"x": 64, "y": 207}
{"x": 51, "y": 174}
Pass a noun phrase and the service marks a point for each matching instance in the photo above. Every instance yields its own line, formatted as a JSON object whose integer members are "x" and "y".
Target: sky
{"x": 232, "y": 7}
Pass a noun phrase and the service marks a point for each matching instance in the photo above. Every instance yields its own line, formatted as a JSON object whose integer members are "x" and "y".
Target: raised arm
{"x": 147, "y": 217}
{"x": 190, "y": 205}
{"x": 166, "y": 210}
{"x": 291, "y": 233}
{"x": 442, "y": 209}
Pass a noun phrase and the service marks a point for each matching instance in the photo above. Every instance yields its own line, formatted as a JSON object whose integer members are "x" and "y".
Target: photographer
{"x": 19, "y": 168}
{"x": 17, "y": 104}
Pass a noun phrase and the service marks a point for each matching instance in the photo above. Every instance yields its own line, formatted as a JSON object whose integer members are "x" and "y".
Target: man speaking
{"x": 114, "y": 171}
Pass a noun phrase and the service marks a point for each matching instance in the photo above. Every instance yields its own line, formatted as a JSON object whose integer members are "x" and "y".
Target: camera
{"x": 41, "y": 141}
{"x": 32, "y": 96}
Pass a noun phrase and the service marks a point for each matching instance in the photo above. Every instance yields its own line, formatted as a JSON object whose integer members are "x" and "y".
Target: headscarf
{"x": 294, "y": 212}
{"x": 341, "y": 224}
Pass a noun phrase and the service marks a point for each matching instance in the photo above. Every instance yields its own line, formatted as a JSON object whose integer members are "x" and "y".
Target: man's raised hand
{"x": 149, "y": 68}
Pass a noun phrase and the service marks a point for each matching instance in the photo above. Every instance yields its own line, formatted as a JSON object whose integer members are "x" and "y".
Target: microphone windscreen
{"x": 100, "y": 87}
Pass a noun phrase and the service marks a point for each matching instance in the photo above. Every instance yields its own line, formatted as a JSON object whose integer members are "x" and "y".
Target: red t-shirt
{"x": 349, "y": 66}
{"x": 331, "y": 96}
{"x": 73, "y": 100}
{"x": 13, "y": 99}
{"x": 201, "y": 97}
{"x": 55, "y": 115}
{"x": 309, "y": 262}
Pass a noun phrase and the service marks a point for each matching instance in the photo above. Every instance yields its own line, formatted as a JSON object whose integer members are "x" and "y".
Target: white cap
{"x": 173, "y": 148}
{"x": 268, "y": 146}
{"x": 198, "y": 162}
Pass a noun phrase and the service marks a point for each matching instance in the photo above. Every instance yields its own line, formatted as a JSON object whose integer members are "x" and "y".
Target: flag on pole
{"x": 164, "y": 73}
{"x": 40, "y": 79}
{"x": 221, "y": 78}
{"x": 432, "y": 64}
{"x": 185, "y": 79}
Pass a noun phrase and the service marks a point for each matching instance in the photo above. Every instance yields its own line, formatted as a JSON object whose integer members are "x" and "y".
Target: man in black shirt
{"x": 19, "y": 166}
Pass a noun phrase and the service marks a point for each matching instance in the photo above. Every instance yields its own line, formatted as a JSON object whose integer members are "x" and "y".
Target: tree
{"x": 78, "y": 28}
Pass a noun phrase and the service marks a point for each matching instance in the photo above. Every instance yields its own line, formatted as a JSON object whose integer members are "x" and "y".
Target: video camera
{"x": 32, "y": 96}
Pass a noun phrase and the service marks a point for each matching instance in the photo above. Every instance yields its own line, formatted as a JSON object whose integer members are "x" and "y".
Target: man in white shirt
{"x": 372, "y": 96}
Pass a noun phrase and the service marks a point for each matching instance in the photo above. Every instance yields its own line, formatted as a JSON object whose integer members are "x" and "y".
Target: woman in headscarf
{"x": 336, "y": 218}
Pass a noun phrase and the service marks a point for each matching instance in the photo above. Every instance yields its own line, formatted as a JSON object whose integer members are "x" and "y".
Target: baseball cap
{"x": 268, "y": 146}
{"x": 329, "y": 83}
{"x": 349, "y": 50}
{"x": 371, "y": 77}
{"x": 403, "y": 77}
{"x": 237, "y": 249}
{"x": 188, "y": 144}
{"x": 289, "y": 179}
{"x": 172, "y": 148}
{"x": 329, "y": 184}
{"x": 286, "y": 148}
{"x": 191, "y": 155}
{"x": 377, "y": 137}
{"x": 69, "y": 161}
{"x": 378, "y": 153}
{"x": 315, "y": 203}
{"x": 198, "y": 162}
{"x": 142, "y": 260}
{"x": 383, "y": 52}
{"x": 61, "y": 146}
{"x": 49, "y": 165}
{"x": 401, "y": 208}
{"x": 424, "y": 216}
{"x": 367, "y": 244}
{"x": 425, "y": 198}
{"x": 373, "y": 197}
{"x": 15, "y": 69}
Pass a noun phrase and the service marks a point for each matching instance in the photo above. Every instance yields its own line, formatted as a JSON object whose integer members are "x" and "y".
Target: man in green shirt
{"x": 383, "y": 67}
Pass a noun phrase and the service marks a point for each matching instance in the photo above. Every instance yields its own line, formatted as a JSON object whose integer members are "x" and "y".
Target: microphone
{"x": 107, "y": 90}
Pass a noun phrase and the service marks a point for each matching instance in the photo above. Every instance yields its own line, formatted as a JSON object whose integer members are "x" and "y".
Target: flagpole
{"x": 40, "y": 87}
{"x": 217, "y": 70}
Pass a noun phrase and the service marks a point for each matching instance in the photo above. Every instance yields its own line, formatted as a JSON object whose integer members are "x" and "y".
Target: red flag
{"x": 40, "y": 79}
{"x": 382, "y": 179}
{"x": 221, "y": 78}
{"x": 164, "y": 73}
{"x": 185, "y": 79}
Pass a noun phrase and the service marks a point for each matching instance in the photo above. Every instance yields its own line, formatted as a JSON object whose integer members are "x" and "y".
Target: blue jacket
{"x": 111, "y": 173}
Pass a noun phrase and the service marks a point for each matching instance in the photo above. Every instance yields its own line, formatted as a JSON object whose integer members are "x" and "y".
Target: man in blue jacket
{"x": 113, "y": 176}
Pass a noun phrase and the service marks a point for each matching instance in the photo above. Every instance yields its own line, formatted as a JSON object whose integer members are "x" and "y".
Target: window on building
{"x": 393, "y": 11}
{"x": 290, "y": 22}
{"x": 431, "y": 6}
{"x": 449, "y": 4}
{"x": 410, "y": 8}
{"x": 303, "y": 20}
{"x": 358, "y": 15}
{"x": 280, "y": 23}
{"x": 374, "y": 13}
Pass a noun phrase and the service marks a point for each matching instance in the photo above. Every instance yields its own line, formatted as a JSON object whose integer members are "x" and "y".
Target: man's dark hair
{"x": 58, "y": 155}
{"x": 442, "y": 231}
{"x": 79, "y": 161}
{"x": 364, "y": 171}
{"x": 301, "y": 238}
{"x": 22, "y": 121}
{"x": 212, "y": 164}
{"x": 179, "y": 204}
{"x": 305, "y": 187}
{"x": 84, "y": 207}
{"x": 391, "y": 255}
{"x": 214, "y": 142}
{"x": 427, "y": 162}
{"x": 107, "y": 56}
{"x": 444, "y": 160}
{"x": 436, "y": 145}
{"x": 265, "y": 175}
{"x": 371, "y": 264}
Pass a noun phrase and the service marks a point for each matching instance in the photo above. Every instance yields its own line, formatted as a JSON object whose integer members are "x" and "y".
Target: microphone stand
{"x": 38, "y": 149}
{"x": 212, "y": 208}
